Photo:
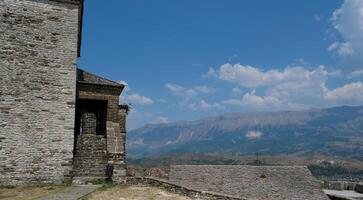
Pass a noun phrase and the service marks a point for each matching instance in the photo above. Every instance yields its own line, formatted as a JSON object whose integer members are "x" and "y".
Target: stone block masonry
{"x": 359, "y": 188}
{"x": 105, "y": 97}
{"x": 91, "y": 158}
{"x": 38, "y": 51}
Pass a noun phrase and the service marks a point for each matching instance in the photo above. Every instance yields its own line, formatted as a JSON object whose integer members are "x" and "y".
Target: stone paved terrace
{"x": 250, "y": 182}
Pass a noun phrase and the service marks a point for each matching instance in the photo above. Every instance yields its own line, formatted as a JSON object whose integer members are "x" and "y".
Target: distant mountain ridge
{"x": 332, "y": 131}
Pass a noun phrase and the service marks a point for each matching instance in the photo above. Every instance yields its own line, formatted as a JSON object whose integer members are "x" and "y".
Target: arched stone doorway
{"x": 88, "y": 123}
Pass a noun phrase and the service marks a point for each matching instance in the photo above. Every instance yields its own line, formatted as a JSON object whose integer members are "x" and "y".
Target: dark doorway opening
{"x": 91, "y": 117}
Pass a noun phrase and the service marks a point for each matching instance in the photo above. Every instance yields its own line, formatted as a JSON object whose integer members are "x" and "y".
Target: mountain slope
{"x": 333, "y": 131}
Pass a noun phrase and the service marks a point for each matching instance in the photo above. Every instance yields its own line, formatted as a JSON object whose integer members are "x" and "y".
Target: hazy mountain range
{"x": 334, "y": 131}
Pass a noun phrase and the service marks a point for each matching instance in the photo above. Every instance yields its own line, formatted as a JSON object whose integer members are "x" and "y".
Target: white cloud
{"x": 212, "y": 73}
{"x": 192, "y": 106}
{"x": 182, "y": 92}
{"x": 234, "y": 56}
{"x": 343, "y": 49}
{"x": 204, "y": 89}
{"x": 252, "y": 77}
{"x": 289, "y": 88}
{"x": 254, "y": 100}
{"x": 161, "y": 100}
{"x": 251, "y": 99}
{"x": 300, "y": 62}
{"x": 134, "y": 98}
{"x": 293, "y": 97}
{"x": 318, "y": 18}
{"x": 308, "y": 90}
{"x": 174, "y": 87}
{"x": 251, "y": 135}
{"x": 246, "y": 76}
{"x": 188, "y": 94}
{"x": 335, "y": 73}
{"x": 351, "y": 94}
{"x": 348, "y": 21}
{"x": 137, "y": 99}
{"x": 137, "y": 118}
{"x": 204, "y": 105}
{"x": 355, "y": 74}
{"x": 236, "y": 91}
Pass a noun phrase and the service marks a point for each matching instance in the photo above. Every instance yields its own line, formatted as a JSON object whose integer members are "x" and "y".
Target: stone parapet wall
{"x": 37, "y": 90}
{"x": 250, "y": 182}
{"x": 343, "y": 185}
{"x": 179, "y": 189}
{"x": 339, "y": 185}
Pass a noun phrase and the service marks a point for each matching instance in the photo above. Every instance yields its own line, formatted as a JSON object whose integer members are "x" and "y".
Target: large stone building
{"x": 57, "y": 122}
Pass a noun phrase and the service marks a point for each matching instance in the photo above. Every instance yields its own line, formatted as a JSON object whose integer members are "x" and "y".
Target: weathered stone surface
{"x": 115, "y": 140}
{"x": 250, "y": 182}
{"x": 37, "y": 90}
{"x": 91, "y": 156}
{"x": 122, "y": 113}
{"x": 69, "y": 1}
{"x": 359, "y": 188}
{"x": 180, "y": 189}
{"x": 343, "y": 195}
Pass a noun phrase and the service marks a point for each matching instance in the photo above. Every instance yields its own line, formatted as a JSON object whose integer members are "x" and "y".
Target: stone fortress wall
{"x": 38, "y": 51}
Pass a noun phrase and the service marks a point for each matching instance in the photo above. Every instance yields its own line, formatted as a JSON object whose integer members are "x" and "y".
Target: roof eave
{"x": 120, "y": 86}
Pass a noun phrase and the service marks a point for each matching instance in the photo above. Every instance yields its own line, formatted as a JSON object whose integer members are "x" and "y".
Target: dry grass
{"x": 135, "y": 193}
{"x": 28, "y": 193}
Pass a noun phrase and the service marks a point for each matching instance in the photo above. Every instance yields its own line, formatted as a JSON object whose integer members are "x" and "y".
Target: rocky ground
{"x": 28, "y": 193}
{"x": 134, "y": 193}
{"x": 111, "y": 193}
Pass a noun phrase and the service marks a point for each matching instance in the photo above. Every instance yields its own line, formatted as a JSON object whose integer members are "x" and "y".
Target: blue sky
{"x": 183, "y": 60}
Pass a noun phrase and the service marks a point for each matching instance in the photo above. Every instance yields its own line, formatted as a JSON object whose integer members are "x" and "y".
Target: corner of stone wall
{"x": 37, "y": 85}
{"x": 116, "y": 152}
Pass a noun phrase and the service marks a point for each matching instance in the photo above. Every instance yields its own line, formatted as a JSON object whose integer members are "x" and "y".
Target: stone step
{"x": 81, "y": 180}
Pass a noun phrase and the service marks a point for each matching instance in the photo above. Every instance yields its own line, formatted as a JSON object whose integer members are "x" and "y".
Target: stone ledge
{"x": 77, "y": 2}
{"x": 89, "y": 179}
{"x": 179, "y": 189}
